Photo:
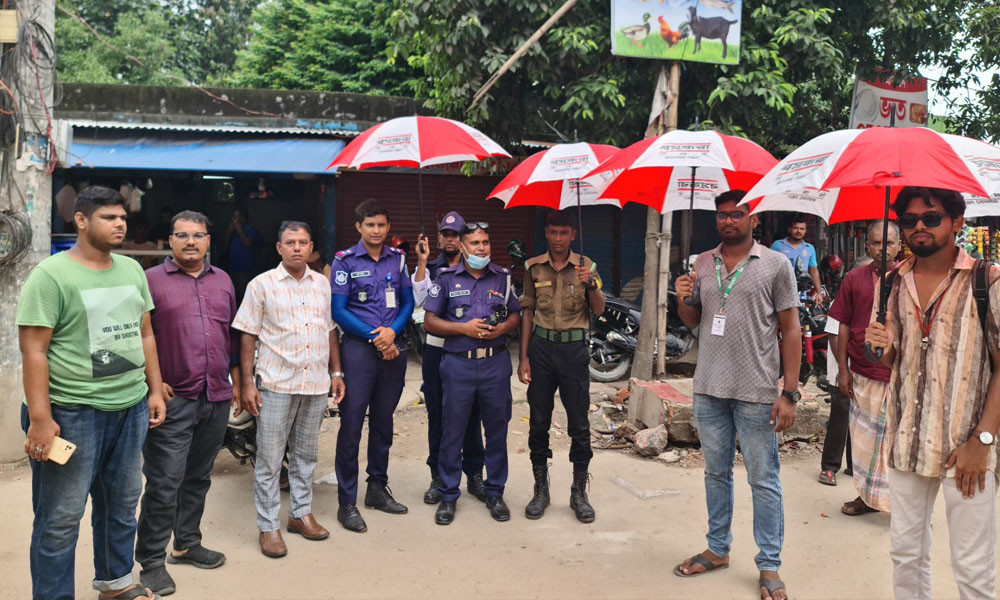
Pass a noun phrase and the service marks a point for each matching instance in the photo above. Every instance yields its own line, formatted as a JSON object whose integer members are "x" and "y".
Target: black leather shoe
{"x": 380, "y": 498}
{"x": 498, "y": 510}
{"x": 445, "y": 513}
{"x": 351, "y": 519}
{"x": 474, "y": 484}
{"x": 433, "y": 493}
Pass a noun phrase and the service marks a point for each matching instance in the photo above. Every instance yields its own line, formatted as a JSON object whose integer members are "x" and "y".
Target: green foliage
{"x": 330, "y": 46}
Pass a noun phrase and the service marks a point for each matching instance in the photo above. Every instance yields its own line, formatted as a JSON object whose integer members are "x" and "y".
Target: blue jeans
{"x": 719, "y": 421}
{"x": 105, "y": 466}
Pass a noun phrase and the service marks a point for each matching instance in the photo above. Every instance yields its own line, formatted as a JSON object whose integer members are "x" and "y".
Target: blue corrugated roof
{"x": 268, "y": 154}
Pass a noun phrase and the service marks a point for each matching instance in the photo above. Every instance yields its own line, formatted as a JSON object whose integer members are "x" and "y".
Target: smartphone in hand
{"x": 61, "y": 450}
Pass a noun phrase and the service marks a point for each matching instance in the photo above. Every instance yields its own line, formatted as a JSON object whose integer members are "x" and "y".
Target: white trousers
{"x": 972, "y": 534}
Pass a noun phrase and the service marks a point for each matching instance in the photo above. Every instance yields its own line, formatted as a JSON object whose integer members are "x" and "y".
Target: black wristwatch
{"x": 591, "y": 286}
{"x": 793, "y": 397}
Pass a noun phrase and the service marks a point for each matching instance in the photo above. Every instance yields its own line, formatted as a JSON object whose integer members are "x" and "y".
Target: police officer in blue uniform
{"x": 372, "y": 300}
{"x": 472, "y": 306}
{"x": 423, "y": 277}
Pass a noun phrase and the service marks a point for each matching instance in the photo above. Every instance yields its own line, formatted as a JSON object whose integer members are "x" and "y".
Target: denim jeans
{"x": 719, "y": 421}
{"x": 106, "y": 467}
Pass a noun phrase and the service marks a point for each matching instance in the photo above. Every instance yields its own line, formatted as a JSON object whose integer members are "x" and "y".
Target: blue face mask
{"x": 477, "y": 262}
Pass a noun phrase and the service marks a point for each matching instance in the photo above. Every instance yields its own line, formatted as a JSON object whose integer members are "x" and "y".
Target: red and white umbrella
{"x": 852, "y": 174}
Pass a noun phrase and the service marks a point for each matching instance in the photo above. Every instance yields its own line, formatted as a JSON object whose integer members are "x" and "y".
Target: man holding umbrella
{"x": 561, "y": 289}
{"x": 944, "y": 397}
{"x": 426, "y": 274}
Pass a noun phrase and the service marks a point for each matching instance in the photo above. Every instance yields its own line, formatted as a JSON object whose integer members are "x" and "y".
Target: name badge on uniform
{"x": 362, "y": 296}
{"x": 390, "y": 297}
{"x": 719, "y": 325}
{"x": 541, "y": 284}
{"x": 357, "y": 274}
{"x": 460, "y": 312}
{"x": 457, "y": 293}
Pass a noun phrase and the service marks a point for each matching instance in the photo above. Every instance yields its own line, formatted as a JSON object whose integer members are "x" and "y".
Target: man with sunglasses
{"x": 372, "y": 302}
{"x": 739, "y": 293}
{"x": 561, "y": 290}
{"x": 472, "y": 306}
{"x": 198, "y": 353}
{"x": 944, "y": 398}
{"x": 449, "y": 242}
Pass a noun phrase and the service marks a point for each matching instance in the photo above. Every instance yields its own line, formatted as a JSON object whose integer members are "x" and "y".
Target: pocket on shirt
{"x": 465, "y": 304}
{"x": 574, "y": 300}
{"x": 545, "y": 297}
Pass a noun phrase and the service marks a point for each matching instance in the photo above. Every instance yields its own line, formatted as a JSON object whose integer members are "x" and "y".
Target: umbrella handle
{"x": 873, "y": 354}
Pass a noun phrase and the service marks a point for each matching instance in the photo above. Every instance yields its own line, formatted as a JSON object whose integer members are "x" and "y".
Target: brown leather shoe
{"x": 308, "y": 528}
{"x": 271, "y": 544}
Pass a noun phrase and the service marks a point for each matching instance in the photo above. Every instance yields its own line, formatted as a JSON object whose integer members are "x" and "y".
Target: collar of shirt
{"x": 171, "y": 267}
{"x": 361, "y": 252}
{"x": 755, "y": 250}
{"x": 963, "y": 262}
{"x": 282, "y": 273}
{"x": 574, "y": 259}
{"x": 490, "y": 268}
{"x": 441, "y": 261}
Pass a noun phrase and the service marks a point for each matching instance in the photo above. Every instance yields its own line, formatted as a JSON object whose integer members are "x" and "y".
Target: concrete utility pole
{"x": 666, "y": 233}
{"x": 25, "y": 190}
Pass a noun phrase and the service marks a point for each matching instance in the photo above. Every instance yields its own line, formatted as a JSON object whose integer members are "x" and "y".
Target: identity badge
{"x": 390, "y": 297}
{"x": 460, "y": 312}
{"x": 362, "y": 296}
{"x": 719, "y": 325}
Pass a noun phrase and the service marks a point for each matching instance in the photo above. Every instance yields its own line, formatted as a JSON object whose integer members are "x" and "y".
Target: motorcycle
{"x": 614, "y": 335}
{"x": 815, "y": 340}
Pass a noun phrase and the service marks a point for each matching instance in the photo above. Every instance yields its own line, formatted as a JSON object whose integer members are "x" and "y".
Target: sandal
{"x": 856, "y": 507}
{"x": 136, "y": 591}
{"x": 698, "y": 559}
{"x": 199, "y": 556}
{"x": 772, "y": 585}
{"x": 828, "y": 478}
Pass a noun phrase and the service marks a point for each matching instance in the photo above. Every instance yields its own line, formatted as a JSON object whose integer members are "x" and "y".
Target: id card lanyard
{"x": 719, "y": 320}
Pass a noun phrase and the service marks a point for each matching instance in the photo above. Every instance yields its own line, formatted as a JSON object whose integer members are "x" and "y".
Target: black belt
{"x": 561, "y": 337}
{"x": 480, "y": 352}
{"x": 356, "y": 338}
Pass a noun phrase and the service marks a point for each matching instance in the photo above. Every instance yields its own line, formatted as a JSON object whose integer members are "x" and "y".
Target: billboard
{"x": 696, "y": 30}
{"x": 875, "y": 102}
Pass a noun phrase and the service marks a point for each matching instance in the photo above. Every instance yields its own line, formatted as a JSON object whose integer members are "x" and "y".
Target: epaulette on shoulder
{"x": 345, "y": 253}
{"x": 395, "y": 249}
{"x": 537, "y": 260}
{"x": 450, "y": 269}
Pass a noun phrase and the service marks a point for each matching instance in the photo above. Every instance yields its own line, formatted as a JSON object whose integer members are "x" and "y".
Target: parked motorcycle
{"x": 815, "y": 340}
{"x": 614, "y": 335}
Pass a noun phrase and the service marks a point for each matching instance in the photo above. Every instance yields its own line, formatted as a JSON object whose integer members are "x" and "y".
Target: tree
{"x": 335, "y": 46}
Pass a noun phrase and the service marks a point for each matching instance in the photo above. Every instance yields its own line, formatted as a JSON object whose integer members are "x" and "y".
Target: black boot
{"x": 498, "y": 508}
{"x": 433, "y": 493}
{"x": 380, "y": 498}
{"x": 536, "y": 507}
{"x": 474, "y": 484}
{"x": 445, "y": 513}
{"x": 578, "y": 498}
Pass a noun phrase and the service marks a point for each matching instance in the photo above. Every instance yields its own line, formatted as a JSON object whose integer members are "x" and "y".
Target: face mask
{"x": 477, "y": 262}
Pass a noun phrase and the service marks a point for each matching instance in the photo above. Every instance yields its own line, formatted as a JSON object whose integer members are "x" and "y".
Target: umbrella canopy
{"x": 551, "y": 178}
{"x": 681, "y": 170}
{"x": 978, "y": 206}
{"x": 844, "y": 175}
{"x": 416, "y": 142}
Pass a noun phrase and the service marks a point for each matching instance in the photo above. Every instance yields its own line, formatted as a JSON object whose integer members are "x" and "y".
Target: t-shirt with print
{"x": 95, "y": 357}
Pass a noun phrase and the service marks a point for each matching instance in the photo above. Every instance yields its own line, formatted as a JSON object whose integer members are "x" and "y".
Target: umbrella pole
{"x": 579, "y": 218}
{"x": 689, "y": 222}
{"x": 420, "y": 192}
{"x": 883, "y": 294}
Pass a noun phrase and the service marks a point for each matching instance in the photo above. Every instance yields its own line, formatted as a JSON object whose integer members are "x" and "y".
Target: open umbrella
{"x": 417, "y": 142}
{"x": 681, "y": 169}
{"x": 551, "y": 178}
{"x": 853, "y": 174}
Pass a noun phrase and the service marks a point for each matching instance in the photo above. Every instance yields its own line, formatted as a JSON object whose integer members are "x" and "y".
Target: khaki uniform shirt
{"x": 558, "y": 299}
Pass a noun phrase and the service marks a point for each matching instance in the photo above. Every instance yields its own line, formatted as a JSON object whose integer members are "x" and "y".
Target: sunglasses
{"x": 736, "y": 216}
{"x": 910, "y": 221}
{"x": 184, "y": 236}
{"x": 470, "y": 227}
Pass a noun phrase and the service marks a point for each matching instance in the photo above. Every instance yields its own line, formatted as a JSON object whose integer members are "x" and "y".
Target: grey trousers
{"x": 290, "y": 420}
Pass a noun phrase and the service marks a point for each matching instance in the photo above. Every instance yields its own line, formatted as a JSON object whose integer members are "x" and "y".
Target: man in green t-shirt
{"x": 89, "y": 363}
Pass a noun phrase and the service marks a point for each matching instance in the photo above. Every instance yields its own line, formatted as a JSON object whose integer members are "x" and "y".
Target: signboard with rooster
{"x": 696, "y": 30}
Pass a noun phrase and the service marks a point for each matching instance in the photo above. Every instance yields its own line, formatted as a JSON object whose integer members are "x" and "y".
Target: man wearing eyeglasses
{"x": 471, "y": 305}
{"x": 738, "y": 294}
{"x": 561, "y": 290}
{"x": 197, "y": 348}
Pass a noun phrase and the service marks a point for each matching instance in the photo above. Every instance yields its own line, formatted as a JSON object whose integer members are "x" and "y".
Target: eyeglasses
{"x": 736, "y": 216}
{"x": 183, "y": 236}
{"x": 928, "y": 219}
{"x": 470, "y": 227}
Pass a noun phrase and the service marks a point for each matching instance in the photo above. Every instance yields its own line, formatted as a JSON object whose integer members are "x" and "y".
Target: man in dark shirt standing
{"x": 195, "y": 305}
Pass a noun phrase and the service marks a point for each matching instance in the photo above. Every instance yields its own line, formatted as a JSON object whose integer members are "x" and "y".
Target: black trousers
{"x": 563, "y": 367}
{"x": 177, "y": 461}
{"x": 838, "y": 437}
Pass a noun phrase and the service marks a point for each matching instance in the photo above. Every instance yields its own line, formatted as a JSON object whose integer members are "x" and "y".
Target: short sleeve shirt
{"x": 804, "y": 254}
{"x": 743, "y": 363}
{"x": 854, "y": 306}
{"x": 371, "y": 286}
{"x": 558, "y": 299}
{"x": 459, "y": 297}
{"x": 95, "y": 356}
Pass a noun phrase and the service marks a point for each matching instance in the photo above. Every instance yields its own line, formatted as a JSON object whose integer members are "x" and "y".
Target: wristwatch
{"x": 987, "y": 438}
{"x": 337, "y": 374}
{"x": 793, "y": 397}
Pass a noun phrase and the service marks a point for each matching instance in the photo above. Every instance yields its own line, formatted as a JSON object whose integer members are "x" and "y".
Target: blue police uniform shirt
{"x": 436, "y": 266}
{"x": 805, "y": 251}
{"x": 459, "y": 297}
{"x": 365, "y": 281}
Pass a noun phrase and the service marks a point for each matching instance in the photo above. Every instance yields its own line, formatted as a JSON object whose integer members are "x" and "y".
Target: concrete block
{"x": 651, "y": 442}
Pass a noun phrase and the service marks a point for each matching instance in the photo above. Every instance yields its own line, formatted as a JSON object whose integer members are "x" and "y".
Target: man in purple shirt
{"x": 195, "y": 305}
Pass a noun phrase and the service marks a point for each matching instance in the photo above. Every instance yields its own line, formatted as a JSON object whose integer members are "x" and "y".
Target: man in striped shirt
{"x": 944, "y": 400}
{"x": 287, "y": 311}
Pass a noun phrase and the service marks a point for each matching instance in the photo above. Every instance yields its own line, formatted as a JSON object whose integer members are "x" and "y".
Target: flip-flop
{"x": 698, "y": 559}
{"x": 772, "y": 585}
{"x": 828, "y": 478}
{"x": 136, "y": 591}
{"x": 858, "y": 507}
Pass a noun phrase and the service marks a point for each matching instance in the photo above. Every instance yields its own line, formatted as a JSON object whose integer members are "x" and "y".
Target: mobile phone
{"x": 61, "y": 450}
